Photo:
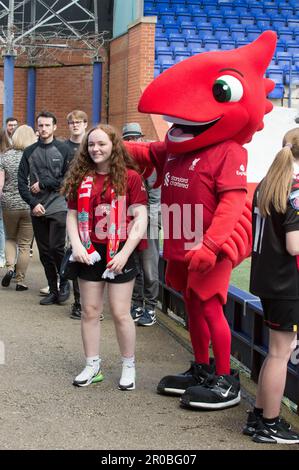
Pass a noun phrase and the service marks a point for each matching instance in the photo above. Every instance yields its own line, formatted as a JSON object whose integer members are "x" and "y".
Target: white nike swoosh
{"x": 273, "y": 430}
{"x": 127, "y": 270}
{"x": 169, "y": 159}
{"x": 225, "y": 394}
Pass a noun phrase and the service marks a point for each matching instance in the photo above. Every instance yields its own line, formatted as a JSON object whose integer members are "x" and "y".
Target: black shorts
{"x": 94, "y": 272}
{"x": 281, "y": 314}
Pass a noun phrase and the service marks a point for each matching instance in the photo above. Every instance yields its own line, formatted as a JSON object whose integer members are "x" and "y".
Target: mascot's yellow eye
{"x": 227, "y": 89}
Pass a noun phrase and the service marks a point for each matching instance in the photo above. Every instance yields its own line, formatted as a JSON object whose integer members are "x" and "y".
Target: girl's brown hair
{"x": 82, "y": 165}
{"x": 275, "y": 188}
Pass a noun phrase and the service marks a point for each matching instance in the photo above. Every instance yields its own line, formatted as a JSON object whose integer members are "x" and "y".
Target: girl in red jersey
{"x": 106, "y": 221}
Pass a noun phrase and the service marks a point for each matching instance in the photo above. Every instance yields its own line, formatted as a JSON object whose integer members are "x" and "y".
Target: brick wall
{"x": 59, "y": 89}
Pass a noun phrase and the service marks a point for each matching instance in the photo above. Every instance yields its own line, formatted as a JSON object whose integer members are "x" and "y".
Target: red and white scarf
{"x": 116, "y": 211}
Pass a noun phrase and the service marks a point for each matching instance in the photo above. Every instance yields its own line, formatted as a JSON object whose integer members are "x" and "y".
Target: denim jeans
{"x": 146, "y": 288}
{"x": 2, "y": 240}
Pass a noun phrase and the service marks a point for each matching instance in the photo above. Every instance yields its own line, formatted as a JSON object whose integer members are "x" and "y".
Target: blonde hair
{"x": 77, "y": 114}
{"x": 275, "y": 188}
{"x": 22, "y": 137}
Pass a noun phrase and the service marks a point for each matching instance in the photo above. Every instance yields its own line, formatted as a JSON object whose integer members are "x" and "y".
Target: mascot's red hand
{"x": 201, "y": 260}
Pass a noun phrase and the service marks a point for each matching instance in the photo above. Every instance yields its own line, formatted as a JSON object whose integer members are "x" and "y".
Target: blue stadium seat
{"x": 165, "y": 9}
{"x": 178, "y": 44}
{"x": 284, "y": 59}
{"x": 277, "y": 93}
{"x": 239, "y": 2}
{"x": 157, "y": 70}
{"x": 216, "y": 24}
{"x": 278, "y": 23}
{"x": 241, "y": 42}
{"x": 211, "y": 47}
{"x": 275, "y": 73}
{"x": 263, "y": 21}
{"x": 291, "y": 47}
{"x": 168, "y": 19}
{"x": 204, "y": 26}
{"x": 270, "y": 8}
{"x": 184, "y": 17}
{"x": 215, "y": 17}
{"x": 255, "y": 8}
{"x": 181, "y": 9}
{"x": 195, "y": 10}
{"x": 294, "y": 75}
{"x": 231, "y": 20}
{"x": 150, "y": 11}
{"x": 189, "y": 33}
{"x": 210, "y": 42}
{"x": 253, "y": 35}
{"x": 280, "y": 45}
{"x": 161, "y": 42}
{"x": 193, "y": 40}
{"x": 179, "y": 49}
{"x": 194, "y": 48}
{"x": 241, "y": 10}
{"x": 175, "y": 37}
{"x": 247, "y": 19}
{"x": 238, "y": 35}
{"x": 165, "y": 61}
{"x": 221, "y": 35}
{"x": 227, "y": 44}
{"x": 200, "y": 17}
{"x": 293, "y": 23}
{"x": 180, "y": 57}
{"x": 286, "y": 34}
{"x": 186, "y": 24}
{"x": 238, "y": 28}
{"x": 286, "y": 9}
{"x": 162, "y": 49}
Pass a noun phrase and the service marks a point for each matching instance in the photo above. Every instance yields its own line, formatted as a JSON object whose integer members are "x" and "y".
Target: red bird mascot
{"x": 216, "y": 102}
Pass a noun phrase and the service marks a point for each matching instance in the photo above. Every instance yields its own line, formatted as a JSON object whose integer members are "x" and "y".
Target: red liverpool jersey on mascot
{"x": 216, "y": 102}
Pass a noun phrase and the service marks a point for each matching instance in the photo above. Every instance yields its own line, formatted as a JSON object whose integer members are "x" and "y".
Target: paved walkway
{"x": 40, "y": 409}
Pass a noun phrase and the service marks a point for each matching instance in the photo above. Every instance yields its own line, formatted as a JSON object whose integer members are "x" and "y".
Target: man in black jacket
{"x": 44, "y": 164}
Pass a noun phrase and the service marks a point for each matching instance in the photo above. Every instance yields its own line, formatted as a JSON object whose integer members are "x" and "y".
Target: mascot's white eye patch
{"x": 227, "y": 89}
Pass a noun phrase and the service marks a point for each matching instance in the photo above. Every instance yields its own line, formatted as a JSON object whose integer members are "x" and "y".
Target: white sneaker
{"x": 44, "y": 290}
{"x": 88, "y": 375}
{"x": 127, "y": 380}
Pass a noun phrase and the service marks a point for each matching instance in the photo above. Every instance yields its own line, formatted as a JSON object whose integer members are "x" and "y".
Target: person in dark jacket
{"x": 44, "y": 164}
{"x": 77, "y": 121}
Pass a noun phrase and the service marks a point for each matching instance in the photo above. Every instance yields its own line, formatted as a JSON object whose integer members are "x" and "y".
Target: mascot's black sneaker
{"x": 177, "y": 384}
{"x": 223, "y": 391}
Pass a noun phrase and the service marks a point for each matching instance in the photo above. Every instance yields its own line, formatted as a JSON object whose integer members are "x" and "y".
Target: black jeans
{"x": 49, "y": 234}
